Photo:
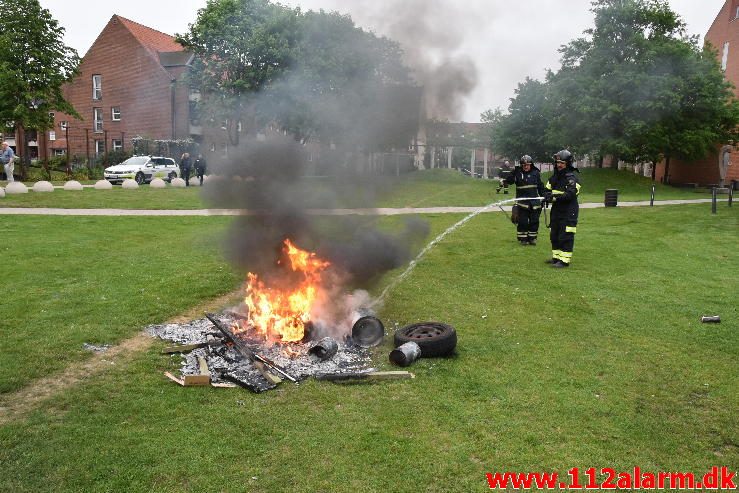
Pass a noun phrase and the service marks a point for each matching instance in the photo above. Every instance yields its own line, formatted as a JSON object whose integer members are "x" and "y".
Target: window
{"x": 224, "y": 124}
{"x": 64, "y": 125}
{"x": 213, "y": 147}
{"x": 115, "y": 113}
{"x": 117, "y": 144}
{"x": 194, "y": 114}
{"x": 52, "y": 135}
{"x": 736, "y": 15}
{"x": 99, "y": 147}
{"x": 60, "y": 152}
{"x": 97, "y": 87}
{"x": 97, "y": 117}
{"x": 725, "y": 56}
{"x": 238, "y": 126}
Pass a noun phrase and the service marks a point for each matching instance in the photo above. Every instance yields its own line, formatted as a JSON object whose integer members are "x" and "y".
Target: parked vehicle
{"x": 143, "y": 169}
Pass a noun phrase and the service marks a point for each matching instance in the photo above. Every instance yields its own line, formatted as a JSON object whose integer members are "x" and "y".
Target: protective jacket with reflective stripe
{"x": 565, "y": 187}
{"x": 527, "y": 185}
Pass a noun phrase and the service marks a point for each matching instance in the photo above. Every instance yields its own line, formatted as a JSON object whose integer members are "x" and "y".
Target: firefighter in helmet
{"x": 562, "y": 190}
{"x": 526, "y": 213}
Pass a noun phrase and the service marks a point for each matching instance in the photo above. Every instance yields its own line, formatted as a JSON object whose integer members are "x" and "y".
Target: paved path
{"x": 316, "y": 212}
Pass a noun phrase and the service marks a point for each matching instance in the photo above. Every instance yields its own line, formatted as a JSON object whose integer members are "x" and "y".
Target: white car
{"x": 143, "y": 169}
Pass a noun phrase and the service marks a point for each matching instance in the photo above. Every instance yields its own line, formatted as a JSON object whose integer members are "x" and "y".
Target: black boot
{"x": 559, "y": 264}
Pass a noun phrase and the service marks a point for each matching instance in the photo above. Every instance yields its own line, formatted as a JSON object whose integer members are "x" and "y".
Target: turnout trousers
{"x": 527, "y": 228}
{"x": 562, "y": 236}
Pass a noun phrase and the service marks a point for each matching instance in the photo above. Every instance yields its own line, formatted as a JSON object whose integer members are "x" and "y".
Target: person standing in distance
{"x": 200, "y": 168}
{"x": 561, "y": 191}
{"x": 185, "y": 166}
{"x": 7, "y": 157}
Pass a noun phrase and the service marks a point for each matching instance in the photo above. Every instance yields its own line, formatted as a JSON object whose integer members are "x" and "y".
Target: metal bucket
{"x": 324, "y": 349}
{"x": 368, "y": 332}
{"x": 405, "y": 354}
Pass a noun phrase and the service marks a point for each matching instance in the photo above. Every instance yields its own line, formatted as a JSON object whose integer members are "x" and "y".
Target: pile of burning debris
{"x": 215, "y": 353}
{"x": 293, "y": 330}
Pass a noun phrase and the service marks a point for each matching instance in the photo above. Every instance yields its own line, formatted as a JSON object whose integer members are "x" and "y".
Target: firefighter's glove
{"x": 548, "y": 197}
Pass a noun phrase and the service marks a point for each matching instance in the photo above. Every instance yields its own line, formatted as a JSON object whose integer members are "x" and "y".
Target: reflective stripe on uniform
{"x": 570, "y": 229}
{"x": 548, "y": 186}
{"x": 578, "y": 188}
{"x": 521, "y": 187}
{"x": 558, "y": 192}
{"x": 556, "y": 254}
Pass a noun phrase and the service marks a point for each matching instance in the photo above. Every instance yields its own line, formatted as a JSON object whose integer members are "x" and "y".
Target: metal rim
{"x": 424, "y": 331}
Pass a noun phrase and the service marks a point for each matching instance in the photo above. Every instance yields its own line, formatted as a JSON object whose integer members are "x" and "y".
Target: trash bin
{"x": 611, "y": 199}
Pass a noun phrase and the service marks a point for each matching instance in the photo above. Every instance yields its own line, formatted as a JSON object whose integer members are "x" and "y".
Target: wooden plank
{"x": 203, "y": 365}
{"x": 265, "y": 373}
{"x": 375, "y": 375}
{"x": 174, "y": 378}
{"x": 182, "y": 348}
{"x": 224, "y": 385}
{"x": 196, "y": 380}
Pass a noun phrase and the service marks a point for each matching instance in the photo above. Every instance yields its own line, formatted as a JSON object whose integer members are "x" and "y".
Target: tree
{"x": 698, "y": 109}
{"x": 637, "y": 88}
{"x": 524, "y": 129}
{"x": 241, "y": 48}
{"x": 342, "y": 83}
{"x": 34, "y": 65}
{"x": 315, "y": 74}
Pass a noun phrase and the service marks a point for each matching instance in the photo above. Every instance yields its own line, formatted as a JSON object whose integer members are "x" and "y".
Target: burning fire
{"x": 281, "y": 314}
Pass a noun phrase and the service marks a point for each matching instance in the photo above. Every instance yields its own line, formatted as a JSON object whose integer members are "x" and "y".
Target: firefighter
{"x": 561, "y": 191}
{"x": 527, "y": 179}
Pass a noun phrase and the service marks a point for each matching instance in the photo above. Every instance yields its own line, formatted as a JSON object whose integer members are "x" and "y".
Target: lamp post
{"x": 66, "y": 143}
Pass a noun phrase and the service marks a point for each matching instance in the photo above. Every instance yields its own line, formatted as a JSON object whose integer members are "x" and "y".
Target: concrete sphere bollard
{"x": 73, "y": 186}
{"x": 103, "y": 185}
{"x": 129, "y": 184}
{"x": 157, "y": 183}
{"x": 43, "y": 186}
{"x": 15, "y": 188}
{"x": 2, "y": 192}
{"x": 213, "y": 180}
{"x": 178, "y": 183}
{"x": 195, "y": 182}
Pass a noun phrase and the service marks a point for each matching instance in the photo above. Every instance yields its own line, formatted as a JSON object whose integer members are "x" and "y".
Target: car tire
{"x": 140, "y": 179}
{"x": 434, "y": 338}
{"x": 172, "y": 176}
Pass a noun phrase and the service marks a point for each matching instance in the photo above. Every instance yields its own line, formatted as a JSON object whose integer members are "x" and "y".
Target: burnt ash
{"x": 226, "y": 364}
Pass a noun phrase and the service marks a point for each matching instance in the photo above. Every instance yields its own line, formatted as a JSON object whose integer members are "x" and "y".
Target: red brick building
{"x": 723, "y": 35}
{"x": 130, "y": 85}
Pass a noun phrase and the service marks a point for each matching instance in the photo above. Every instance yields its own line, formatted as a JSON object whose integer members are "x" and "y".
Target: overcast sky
{"x": 507, "y": 40}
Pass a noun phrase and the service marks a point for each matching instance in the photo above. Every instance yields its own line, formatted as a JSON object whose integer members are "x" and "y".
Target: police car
{"x": 143, "y": 169}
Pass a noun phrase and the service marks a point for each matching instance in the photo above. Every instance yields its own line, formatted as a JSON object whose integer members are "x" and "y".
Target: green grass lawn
{"x": 605, "y": 364}
{"x": 430, "y": 188}
{"x": 98, "y": 280}
{"x": 117, "y": 198}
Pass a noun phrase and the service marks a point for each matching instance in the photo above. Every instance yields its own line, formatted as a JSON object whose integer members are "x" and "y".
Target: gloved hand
{"x": 548, "y": 197}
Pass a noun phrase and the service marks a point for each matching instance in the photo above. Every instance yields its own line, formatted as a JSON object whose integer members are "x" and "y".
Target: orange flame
{"x": 280, "y": 315}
